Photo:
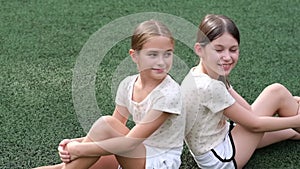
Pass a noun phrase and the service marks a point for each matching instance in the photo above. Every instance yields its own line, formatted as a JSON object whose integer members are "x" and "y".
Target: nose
{"x": 161, "y": 61}
{"x": 226, "y": 55}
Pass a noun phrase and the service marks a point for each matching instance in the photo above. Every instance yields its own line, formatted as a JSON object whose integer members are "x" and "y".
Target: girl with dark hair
{"x": 210, "y": 101}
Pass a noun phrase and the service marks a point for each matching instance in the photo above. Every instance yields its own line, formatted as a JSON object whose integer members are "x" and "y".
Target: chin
{"x": 227, "y": 73}
{"x": 159, "y": 77}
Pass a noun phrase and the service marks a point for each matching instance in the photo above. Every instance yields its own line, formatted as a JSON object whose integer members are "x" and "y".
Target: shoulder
{"x": 168, "y": 89}
{"x": 169, "y": 85}
{"x": 128, "y": 80}
{"x": 172, "y": 82}
{"x": 198, "y": 82}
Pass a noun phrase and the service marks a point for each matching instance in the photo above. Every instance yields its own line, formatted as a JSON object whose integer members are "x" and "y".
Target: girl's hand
{"x": 70, "y": 148}
{"x": 63, "y": 153}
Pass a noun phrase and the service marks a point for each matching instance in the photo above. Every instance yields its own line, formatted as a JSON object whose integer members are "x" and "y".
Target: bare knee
{"x": 107, "y": 127}
{"x": 278, "y": 90}
{"x": 276, "y": 87}
{"x": 109, "y": 120}
{"x": 102, "y": 123}
{"x": 101, "y": 129}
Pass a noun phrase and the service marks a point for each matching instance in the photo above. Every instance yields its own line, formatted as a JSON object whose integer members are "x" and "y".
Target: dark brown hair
{"x": 213, "y": 26}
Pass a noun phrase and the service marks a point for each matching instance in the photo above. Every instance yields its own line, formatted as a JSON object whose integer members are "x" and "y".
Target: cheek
{"x": 144, "y": 63}
{"x": 146, "y": 60}
{"x": 213, "y": 56}
{"x": 213, "y": 59}
{"x": 169, "y": 60}
{"x": 235, "y": 57}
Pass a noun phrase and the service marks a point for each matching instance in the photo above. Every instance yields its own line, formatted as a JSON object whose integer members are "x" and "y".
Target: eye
{"x": 234, "y": 49}
{"x": 152, "y": 55}
{"x": 168, "y": 54}
{"x": 219, "y": 50}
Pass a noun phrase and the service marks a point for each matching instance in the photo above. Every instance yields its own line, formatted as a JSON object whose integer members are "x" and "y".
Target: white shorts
{"x": 221, "y": 157}
{"x": 158, "y": 158}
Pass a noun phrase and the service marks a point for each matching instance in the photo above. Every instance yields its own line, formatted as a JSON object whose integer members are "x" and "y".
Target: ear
{"x": 198, "y": 49}
{"x": 132, "y": 53}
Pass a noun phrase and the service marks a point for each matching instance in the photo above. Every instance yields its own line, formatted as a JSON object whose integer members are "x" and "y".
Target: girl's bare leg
{"x": 106, "y": 162}
{"x": 245, "y": 143}
{"x": 57, "y": 166}
{"x": 275, "y": 99}
{"x": 107, "y": 127}
{"x": 287, "y": 107}
{"x": 104, "y": 128}
{"x": 289, "y": 102}
{"x": 278, "y": 136}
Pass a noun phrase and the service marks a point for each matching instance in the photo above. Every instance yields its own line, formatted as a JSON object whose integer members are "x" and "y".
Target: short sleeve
{"x": 218, "y": 97}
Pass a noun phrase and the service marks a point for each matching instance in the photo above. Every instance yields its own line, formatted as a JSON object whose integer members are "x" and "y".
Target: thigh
{"x": 133, "y": 160}
{"x": 106, "y": 162}
{"x": 245, "y": 143}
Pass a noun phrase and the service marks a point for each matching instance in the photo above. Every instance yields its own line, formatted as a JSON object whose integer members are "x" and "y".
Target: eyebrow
{"x": 223, "y": 46}
{"x": 153, "y": 50}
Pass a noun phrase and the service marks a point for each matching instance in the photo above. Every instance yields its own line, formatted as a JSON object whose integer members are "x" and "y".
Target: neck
{"x": 204, "y": 69}
{"x": 146, "y": 83}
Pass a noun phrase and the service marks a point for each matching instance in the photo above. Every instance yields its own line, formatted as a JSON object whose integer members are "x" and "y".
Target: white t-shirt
{"x": 204, "y": 100}
{"x": 166, "y": 97}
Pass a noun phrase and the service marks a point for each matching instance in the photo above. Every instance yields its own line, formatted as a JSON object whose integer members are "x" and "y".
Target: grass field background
{"x": 41, "y": 40}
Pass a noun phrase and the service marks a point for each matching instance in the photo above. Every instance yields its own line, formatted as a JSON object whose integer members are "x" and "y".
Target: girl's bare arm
{"x": 255, "y": 123}
{"x": 123, "y": 145}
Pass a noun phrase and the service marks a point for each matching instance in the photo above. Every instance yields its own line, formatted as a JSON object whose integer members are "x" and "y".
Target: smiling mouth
{"x": 225, "y": 66}
{"x": 158, "y": 70}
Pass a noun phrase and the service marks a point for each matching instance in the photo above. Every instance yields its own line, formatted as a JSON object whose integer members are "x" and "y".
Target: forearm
{"x": 266, "y": 124}
{"x": 118, "y": 145}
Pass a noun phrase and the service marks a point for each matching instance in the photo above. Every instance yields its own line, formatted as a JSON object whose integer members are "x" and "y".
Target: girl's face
{"x": 156, "y": 57}
{"x": 220, "y": 56}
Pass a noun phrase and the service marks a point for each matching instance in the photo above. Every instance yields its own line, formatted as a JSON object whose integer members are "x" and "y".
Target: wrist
{"x": 72, "y": 148}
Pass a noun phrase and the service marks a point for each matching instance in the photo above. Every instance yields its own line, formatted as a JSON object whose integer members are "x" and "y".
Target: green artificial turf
{"x": 41, "y": 42}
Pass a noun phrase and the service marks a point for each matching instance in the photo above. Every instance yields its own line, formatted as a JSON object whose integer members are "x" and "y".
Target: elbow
{"x": 133, "y": 144}
{"x": 256, "y": 129}
{"x": 255, "y": 126}
{"x": 132, "y": 147}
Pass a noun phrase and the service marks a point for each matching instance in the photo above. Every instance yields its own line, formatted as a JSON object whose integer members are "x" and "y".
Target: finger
{"x": 64, "y": 142}
{"x": 64, "y": 153}
{"x": 61, "y": 149}
{"x": 65, "y": 157}
{"x": 65, "y": 160}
